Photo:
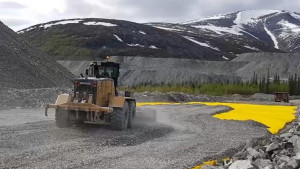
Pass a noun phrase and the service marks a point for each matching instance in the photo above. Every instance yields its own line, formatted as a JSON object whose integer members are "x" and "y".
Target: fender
{"x": 117, "y": 102}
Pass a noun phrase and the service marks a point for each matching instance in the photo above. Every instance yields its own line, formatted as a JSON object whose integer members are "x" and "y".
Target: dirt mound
{"x": 23, "y": 66}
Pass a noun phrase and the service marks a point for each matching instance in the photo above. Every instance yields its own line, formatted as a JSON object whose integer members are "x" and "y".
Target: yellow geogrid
{"x": 274, "y": 117}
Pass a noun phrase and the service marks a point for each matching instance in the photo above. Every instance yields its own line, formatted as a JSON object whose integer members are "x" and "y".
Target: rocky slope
{"x": 23, "y": 66}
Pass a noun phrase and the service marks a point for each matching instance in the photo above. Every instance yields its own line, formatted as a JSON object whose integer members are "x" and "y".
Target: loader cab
{"x": 104, "y": 70}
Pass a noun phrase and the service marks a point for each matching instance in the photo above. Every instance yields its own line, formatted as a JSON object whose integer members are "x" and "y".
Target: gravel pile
{"x": 22, "y": 66}
{"x": 29, "y": 98}
{"x": 278, "y": 152}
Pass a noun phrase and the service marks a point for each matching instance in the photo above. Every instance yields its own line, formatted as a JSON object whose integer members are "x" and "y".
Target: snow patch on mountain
{"x": 216, "y": 17}
{"x": 295, "y": 15}
{"x": 168, "y": 29}
{"x": 225, "y": 58}
{"x": 251, "y": 35}
{"x": 201, "y": 44}
{"x": 45, "y": 26}
{"x": 135, "y": 45}
{"x": 237, "y": 22}
{"x": 26, "y": 30}
{"x": 100, "y": 23}
{"x": 251, "y": 16}
{"x": 287, "y": 26}
{"x": 141, "y": 32}
{"x": 272, "y": 37}
{"x": 218, "y": 30}
{"x": 118, "y": 38}
{"x": 252, "y": 48}
{"x": 153, "y": 47}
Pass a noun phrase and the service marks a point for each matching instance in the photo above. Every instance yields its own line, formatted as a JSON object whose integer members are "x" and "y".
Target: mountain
{"x": 244, "y": 31}
{"x": 23, "y": 66}
{"x": 92, "y": 39}
{"x": 215, "y": 38}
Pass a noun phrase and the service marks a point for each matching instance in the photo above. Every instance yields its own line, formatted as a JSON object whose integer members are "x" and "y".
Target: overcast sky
{"x": 19, "y": 14}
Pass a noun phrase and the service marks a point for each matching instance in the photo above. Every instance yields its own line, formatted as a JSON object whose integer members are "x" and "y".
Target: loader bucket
{"x": 85, "y": 107}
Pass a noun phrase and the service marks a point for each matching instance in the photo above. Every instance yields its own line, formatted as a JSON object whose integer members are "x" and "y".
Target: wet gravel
{"x": 183, "y": 136}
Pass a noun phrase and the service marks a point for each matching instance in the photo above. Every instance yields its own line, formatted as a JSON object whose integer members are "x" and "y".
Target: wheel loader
{"x": 96, "y": 100}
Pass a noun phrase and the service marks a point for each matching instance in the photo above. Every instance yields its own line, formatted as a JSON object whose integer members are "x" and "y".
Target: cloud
{"x": 159, "y": 8}
{"x": 11, "y": 5}
{"x": 79, "y": 8}
{"x": 15, "y": 22}
{"x": 132, "y": 10}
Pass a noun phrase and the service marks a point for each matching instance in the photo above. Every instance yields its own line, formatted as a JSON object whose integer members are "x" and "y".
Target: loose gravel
{"x": 182, "y": 137}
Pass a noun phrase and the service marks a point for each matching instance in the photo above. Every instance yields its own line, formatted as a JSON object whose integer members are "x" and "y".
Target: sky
{"x": 19, "y": 14}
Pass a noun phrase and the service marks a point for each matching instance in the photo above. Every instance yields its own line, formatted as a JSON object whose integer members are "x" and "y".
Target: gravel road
{"x": 183, "y": 136}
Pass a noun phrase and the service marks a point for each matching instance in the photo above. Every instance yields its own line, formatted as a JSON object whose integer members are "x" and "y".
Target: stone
{"x": 253, "y": 154}
{"x": 292, "y": 130}
{"x": 293, "y": 139}
{"x": 242, "y": 164}
{"x": 287, "y": 162}
{"x": 283, "y": 144}
{"x": 285, "y": 152}
{"x": 272, "y": 147}
{"x": 286, "y": 135}
{"x": 276, "y": 139}
{"x": 264, "y": 155}
{"x": 260, "y": 147}
{"x": 297, "y": 133}
{"x": 262, "y": 163}
{"x": 296, "y": 145}
{"x": 269, "y": 167}
{"x": 297, "y": 128}
{"x": 275, "y": 153}
{"x": 212, "y": 167}
{"x": 240, "y": 155}
{"x": 297, "y": 157}
{"x": 293, "y": 163}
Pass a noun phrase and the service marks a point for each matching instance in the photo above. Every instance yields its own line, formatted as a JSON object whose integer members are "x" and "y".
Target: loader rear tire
{"x": 132, "y": 111}
{"x": 119, "y": 117}
{"x": 62, "y": 118}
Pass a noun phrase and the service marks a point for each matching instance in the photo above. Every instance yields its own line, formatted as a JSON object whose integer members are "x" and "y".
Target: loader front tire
{"x": 132, "y": 112}
{"x": 119, "y": 117}
{"x": 62, "y": 118}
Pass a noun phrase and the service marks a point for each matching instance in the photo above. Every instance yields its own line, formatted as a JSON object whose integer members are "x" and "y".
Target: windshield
{"x": 107, "y": 72}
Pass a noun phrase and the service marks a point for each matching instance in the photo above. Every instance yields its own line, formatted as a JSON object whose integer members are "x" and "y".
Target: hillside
{"x": 92, "y": 39}
{"x": 23, "y": 66}
{"x": 214, "y": 38}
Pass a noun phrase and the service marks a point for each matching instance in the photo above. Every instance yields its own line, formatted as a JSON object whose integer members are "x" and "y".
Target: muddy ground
{"x": 183, "y": 136}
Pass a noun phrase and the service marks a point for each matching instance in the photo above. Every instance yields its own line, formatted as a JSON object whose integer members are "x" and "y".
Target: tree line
{"x": 268, "y": 85}
{"x": 262, "y": 84}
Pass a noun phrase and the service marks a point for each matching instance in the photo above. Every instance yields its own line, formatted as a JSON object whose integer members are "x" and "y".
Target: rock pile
{"x": 278, "y": 152}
